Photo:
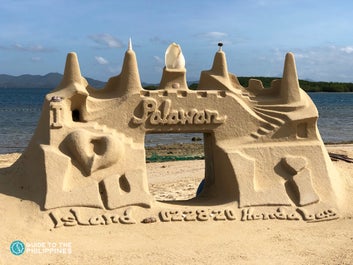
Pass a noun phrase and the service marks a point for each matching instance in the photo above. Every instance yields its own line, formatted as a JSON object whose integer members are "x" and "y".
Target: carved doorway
{"x": 170, "y": 181}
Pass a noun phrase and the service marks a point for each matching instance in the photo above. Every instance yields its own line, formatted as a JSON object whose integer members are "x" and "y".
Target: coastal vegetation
{"x": 308, "y": 86}
{"x": 51, "y": 80}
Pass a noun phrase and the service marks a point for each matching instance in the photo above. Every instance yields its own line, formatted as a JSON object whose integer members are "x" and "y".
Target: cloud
{"x": 213, "y": 35}
{"x": 106, "y": 40}
{"x": 101, "y": 60}
{"x": 27, "y": 48}
{"x": 156, "y": 39}
{"x": 347, "y": 49}
{"x": 35, "y": 48}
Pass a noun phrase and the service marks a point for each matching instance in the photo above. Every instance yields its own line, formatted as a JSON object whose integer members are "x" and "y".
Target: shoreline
{"x": 179, "y": 151}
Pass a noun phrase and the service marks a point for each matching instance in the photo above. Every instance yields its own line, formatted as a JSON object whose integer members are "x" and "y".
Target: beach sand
{"x": 213, "y": 242}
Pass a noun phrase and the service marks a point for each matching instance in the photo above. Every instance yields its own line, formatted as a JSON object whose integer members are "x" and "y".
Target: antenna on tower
{"x": 220, "y": 44}
{"x": 130, "y": 44}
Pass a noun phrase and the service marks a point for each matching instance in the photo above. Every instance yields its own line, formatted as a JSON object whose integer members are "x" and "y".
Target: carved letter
{"x": 166, "y": 110}
{"x": 187, "y": 117}
{"x": 127, "y": 218}
{"x": 165, "y": 216}
{"x": 56, "y": 220}
{"x": 110, "y": 218}
{"x": 149, "y": 105}
{"x": 97, "y": 220}
{"x": 76, "y": 214}
{"x": 200, "y": 117}
{"x": 156, "y": 118}
{"x": 247, "y": 214}
{"x": 212, "y": 116}
{"x": 55, "y": 115}
{"x": 173, "y": 117}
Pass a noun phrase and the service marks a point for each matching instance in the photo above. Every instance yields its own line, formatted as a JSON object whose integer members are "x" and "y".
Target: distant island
{"x": 308, "y": 86}
{"x": 52, "y": 80}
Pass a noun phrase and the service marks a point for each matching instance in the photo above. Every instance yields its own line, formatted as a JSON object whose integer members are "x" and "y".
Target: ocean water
{"x": 20, "y": 110}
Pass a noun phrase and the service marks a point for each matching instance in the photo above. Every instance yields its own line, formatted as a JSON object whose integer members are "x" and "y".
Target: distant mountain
{"x": 50, "y": 80}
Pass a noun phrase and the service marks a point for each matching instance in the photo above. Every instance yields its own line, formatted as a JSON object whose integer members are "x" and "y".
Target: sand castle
{"x": 262, "y": 145}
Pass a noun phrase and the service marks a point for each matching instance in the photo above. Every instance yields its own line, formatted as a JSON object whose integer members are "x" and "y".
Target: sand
{"x": 179, "y": 242}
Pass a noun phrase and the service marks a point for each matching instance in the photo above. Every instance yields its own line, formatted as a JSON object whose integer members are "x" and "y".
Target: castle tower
{"x": 218, "y": 75}
{"x": 72, "y": 82}
{"x": 219, "y": 66}
{"x": 128, "y": 81}
{"x": 72, "y": 72}
{"x": 129, "y": 77}
{"x": 174, "y": 72}
{"x": 290, "y": 90}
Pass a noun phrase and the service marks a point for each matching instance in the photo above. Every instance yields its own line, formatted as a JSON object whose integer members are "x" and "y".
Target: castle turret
{"x": 219, "y": 66}
{"x": 129, "y": 76}
{"x": 218, "y": 76}
{"x": 128, "y": 82}
{"x": 72, "y": 81}
{"x": 290, "y": 90}
{"x": 72, "y": 72}
{"x": 174, "y": 72}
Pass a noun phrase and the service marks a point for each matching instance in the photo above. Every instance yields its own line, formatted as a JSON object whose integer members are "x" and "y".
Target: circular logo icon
{"x": 17, "y": 247}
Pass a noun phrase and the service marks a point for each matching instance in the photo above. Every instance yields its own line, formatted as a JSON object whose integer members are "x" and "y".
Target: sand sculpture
{"x": 262, "y": 145}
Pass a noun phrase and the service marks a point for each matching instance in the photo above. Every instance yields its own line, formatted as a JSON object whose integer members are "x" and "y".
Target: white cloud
{"x": 347, "y": 49}
{"x": 214, "y": 35}
{"x": 106, "y": 40}
{"x": 159, "y": 40}
{"x": 101, "y": 60}
{"x": 26, "y": 48}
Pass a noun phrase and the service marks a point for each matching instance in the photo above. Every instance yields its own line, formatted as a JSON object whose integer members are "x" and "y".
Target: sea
{"x": 20, "y": 109}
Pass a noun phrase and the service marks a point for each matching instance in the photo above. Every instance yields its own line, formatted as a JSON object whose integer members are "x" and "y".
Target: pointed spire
{"x": 218, "y": 76}
{"x": 72, "y": 80}
{"x": 219, "y": 66}
{"x": 129, "y": 45}
{"x": 130, "y": 78}
{"x": 72, "y": 72}
{"x": 290, "y": 90}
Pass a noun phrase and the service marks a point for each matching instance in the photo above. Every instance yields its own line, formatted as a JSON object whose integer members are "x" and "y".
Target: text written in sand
{"x": 88, "y": 217}
{"x": 165, "y": 114}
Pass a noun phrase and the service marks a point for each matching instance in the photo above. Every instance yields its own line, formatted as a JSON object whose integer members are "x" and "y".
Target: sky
{"x": 36, "y": 35}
